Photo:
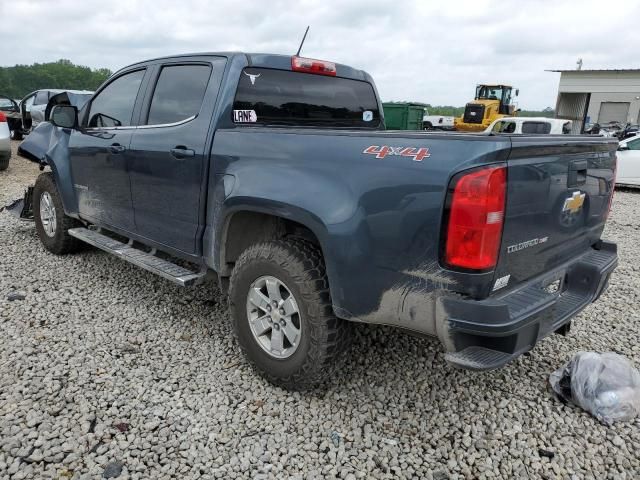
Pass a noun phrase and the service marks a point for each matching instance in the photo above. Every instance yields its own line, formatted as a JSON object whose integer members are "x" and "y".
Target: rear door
{"x": 168, "y": 151}
{"x": 557, "y": 202}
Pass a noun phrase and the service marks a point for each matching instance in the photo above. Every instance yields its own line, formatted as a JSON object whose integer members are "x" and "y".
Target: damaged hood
{"x": 45, "y": 144}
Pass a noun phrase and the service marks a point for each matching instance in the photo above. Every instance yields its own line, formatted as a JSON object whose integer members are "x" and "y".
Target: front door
{"x": 99, "y": 152}
{"x": 168, "y": 154}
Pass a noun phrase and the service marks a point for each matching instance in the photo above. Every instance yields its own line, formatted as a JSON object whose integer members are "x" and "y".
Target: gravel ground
{"x": 107, "y": 370}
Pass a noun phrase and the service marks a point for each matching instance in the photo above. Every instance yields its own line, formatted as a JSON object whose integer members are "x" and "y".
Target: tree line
{"x": 19, "y": 80}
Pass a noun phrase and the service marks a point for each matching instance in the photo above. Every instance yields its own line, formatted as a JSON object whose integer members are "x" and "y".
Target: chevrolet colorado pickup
{"x": 276, "y": 175}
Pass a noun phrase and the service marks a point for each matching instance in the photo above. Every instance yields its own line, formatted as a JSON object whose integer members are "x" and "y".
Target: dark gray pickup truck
{"x": 276, "y": 175}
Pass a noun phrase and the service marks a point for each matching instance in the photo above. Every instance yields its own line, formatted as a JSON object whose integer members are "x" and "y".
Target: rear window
{"x": 536, "y": 127}
{"x": 280, "y": 97}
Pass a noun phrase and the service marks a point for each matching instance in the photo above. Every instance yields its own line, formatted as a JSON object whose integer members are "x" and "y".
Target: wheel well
{"x": 248, "y": 228}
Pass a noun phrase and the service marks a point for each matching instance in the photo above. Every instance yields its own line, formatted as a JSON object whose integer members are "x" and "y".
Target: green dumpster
{"x": 403, "y": 116}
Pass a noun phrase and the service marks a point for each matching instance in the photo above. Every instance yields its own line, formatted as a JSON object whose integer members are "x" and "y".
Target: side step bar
{"x": 164, "y": 268}
{"x": 478, "y": 358}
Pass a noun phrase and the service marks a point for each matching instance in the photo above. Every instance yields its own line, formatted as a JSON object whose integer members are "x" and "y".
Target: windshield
{"x": 280, "y": 97}
{"x": 484, "y": 92}
{"x": 494, "y": 92}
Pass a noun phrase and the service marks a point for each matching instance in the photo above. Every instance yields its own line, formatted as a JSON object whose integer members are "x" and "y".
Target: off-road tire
{"x": 324, "y": 338}
{"x": 4, "y": 163}
{"x": 61, "y": 242}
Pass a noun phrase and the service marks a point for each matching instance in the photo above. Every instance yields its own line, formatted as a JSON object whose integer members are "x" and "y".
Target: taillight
{"x": 476, "y": 217}
{"x": 3, "y": 117}
{"x": 310, "y": 65}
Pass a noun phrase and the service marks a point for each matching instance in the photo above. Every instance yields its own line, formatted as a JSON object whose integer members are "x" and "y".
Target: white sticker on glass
{"x": 367, "y": 115}
{"x": 245, "y": 116}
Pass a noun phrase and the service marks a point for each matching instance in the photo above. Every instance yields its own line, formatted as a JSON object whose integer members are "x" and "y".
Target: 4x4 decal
{"x": 418, "y": 154}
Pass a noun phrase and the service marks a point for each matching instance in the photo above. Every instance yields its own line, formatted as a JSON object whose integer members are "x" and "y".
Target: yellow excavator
{"x": 491, "y": 102}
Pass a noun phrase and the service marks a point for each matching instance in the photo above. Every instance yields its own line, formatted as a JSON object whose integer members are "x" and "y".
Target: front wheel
{"x": 282, "y": 314}
{"x": 51, "y": 222}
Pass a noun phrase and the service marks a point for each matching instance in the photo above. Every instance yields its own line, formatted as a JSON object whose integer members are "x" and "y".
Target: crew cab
{"x": 275, "y": 175}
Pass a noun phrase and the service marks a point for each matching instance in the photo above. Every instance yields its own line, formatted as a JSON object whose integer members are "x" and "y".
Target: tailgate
{"x": 559, "y": 188}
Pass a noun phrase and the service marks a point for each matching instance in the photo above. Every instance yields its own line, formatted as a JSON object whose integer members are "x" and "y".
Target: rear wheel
{"x": 4, "y": 162}
{"x": 52, "y": 224}
{"x": 282, "y": 314}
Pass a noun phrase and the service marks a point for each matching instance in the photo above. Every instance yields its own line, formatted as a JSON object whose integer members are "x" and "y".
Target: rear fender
{"x": 48, "y": 145}
{"x": 262, "y": 190}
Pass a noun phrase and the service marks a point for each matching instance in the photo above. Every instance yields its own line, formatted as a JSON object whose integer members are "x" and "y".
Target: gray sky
{"x": 434, "y": 51}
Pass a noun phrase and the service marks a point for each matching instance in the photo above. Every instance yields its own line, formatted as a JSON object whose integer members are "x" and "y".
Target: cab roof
{"x": 261, "y": 60}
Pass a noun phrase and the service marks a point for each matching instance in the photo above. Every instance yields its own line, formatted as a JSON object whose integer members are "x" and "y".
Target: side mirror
{"x": 622, "y": 148}
{"x": 517, "y": 91}
{"x": 64, "y": 116}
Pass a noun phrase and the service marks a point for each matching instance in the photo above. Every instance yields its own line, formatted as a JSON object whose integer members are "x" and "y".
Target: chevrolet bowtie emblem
{"x": 574, "y": 202}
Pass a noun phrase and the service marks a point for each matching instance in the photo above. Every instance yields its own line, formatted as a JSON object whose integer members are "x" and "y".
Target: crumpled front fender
{"x": 49, "y": 145}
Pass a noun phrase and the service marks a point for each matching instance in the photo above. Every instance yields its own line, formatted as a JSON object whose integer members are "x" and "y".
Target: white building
{"x": 598, "y": 96}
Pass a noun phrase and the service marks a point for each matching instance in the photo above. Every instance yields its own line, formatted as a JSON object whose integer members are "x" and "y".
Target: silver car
{"x": 5, "y": 142}
{"x": 34, "y": 105}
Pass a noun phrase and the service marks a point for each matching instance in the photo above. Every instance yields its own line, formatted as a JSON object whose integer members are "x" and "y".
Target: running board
{"x": 478, "y": 358}
{"x": 164, "y": 268}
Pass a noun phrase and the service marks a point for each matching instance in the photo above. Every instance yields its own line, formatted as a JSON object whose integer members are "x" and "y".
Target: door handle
{"x": 117, "y": 148}
{"x": 181, "y": 151}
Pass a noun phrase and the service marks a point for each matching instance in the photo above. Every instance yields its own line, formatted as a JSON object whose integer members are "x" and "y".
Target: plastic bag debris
{"x": 604, "y": 384}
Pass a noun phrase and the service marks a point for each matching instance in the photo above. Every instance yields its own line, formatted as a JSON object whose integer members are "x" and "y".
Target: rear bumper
{"x": 487, "y": 334}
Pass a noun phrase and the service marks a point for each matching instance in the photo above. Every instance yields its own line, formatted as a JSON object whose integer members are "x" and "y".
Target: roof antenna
{"x": 302, "y": 42}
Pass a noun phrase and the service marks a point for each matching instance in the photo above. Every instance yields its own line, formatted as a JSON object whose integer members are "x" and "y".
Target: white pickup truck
{"x": 530, "y": 125}
{"x": 436, "y": 122}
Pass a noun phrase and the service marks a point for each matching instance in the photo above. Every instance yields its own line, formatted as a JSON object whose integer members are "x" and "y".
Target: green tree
{"x": 19, "y": 80}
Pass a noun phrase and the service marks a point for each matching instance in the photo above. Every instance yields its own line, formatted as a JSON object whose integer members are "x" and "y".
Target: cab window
{"x": 42, "y": 97}
{"x": 113, "y": 106}
{"x": 178, "y": 94}
{"x": 536, "y": 127}
{"x": 504, "y": 127}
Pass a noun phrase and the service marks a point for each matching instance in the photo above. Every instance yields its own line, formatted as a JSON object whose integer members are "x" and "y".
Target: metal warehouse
{"x": 598, "y": 96}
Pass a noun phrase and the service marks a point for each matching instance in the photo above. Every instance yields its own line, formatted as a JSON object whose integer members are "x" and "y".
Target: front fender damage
{"x": 48, "y": 145}
{"x": 45, "y": 145}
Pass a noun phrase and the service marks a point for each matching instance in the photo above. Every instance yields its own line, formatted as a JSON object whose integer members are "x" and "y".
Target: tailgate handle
{"x": 577, "y": 173}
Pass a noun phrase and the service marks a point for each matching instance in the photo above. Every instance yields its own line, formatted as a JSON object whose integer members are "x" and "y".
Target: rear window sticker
{"x": 252, "y": 77}
{"x": 245, "y": 116}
